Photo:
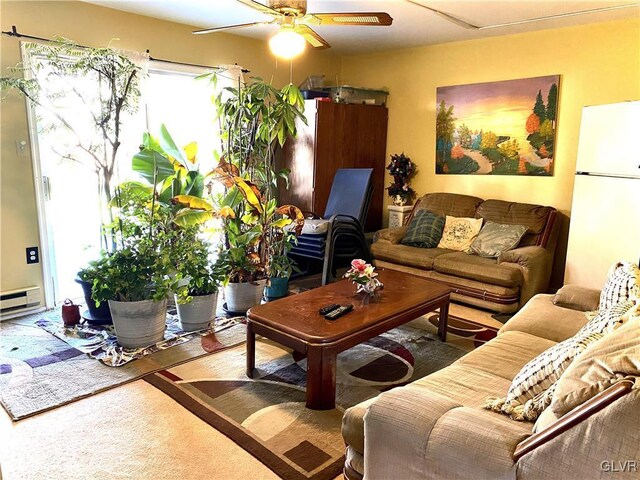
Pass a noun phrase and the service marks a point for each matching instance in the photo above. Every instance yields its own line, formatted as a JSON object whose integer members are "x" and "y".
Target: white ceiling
{"x": 412, "y": 25}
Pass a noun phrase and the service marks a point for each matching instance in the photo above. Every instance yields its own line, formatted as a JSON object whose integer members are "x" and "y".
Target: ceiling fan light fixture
{"x": 287, "y": 43}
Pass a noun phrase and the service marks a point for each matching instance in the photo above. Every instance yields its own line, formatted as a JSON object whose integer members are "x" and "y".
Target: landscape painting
{"x": 497, "y": 128}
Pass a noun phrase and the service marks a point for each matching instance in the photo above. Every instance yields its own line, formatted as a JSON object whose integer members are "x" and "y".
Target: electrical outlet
{"x": 21, "y": 148}
{"x": 32, "y": 255}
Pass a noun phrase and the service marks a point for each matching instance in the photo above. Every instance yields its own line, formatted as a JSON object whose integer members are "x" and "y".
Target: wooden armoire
{"x": 337, "y": 135}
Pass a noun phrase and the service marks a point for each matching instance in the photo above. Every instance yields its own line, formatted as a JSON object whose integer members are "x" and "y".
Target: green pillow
{"x": 495, "y": 238}
{"x": 425, "y": 230}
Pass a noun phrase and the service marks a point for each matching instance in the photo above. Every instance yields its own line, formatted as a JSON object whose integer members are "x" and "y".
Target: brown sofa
{"x": 502, "y": 285}
{"x": 437, "y": 428}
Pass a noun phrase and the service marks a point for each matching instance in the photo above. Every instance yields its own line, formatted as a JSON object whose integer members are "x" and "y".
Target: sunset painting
{"x": 497, "y": 128}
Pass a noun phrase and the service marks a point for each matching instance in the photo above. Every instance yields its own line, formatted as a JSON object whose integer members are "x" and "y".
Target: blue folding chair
{"x": 338, "y": 237}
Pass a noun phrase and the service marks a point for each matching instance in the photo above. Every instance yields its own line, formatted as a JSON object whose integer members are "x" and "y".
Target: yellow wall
{"x": 598, "y": 63}
{"x": 95, "y": 26}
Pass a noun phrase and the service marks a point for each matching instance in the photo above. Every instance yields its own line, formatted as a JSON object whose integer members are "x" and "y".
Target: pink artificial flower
{"x": 358, "y": 265}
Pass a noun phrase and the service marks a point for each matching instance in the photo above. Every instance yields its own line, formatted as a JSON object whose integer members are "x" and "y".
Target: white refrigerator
{"x": 605, "y": 214}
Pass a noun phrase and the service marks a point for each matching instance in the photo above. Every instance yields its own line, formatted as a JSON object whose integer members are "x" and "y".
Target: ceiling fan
{"x": 294, "y": 22}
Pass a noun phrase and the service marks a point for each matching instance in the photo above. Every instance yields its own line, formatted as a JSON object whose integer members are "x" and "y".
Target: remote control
{"x": 338, "y": 312}
{"x": 328, "y": 308}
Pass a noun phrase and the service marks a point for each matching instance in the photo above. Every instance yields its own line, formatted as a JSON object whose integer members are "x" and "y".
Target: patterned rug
{"x": 267, "y": 416}
{"x": 39, "y": 371}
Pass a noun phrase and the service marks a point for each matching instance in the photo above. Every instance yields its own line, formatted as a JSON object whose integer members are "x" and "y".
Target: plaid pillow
{"x": 425, "y": 230}
{"x": 529, "y": 392}
{"x": 623, "y": 283}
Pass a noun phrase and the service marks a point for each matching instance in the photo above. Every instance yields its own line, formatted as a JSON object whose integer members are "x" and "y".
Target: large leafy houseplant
{"x": 136, "y": 278}
{"x": 256, "y": 118}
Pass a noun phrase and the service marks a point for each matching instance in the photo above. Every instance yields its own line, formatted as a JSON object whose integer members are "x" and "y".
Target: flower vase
{"x": 399, "y": 201}
{"x": 370, "y": 288}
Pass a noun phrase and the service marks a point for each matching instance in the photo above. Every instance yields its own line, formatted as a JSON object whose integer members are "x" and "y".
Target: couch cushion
{"x": 540, "y": 317}
{"x": 452, "y": 204}
{"x": 534, "y": 217}
{"x": 425, "y": 230}
{"x": 465, "y": 385}
{"x": 506, "y": 354}
{"x": 478, "y": 268}
{"x": 406, "y": 255}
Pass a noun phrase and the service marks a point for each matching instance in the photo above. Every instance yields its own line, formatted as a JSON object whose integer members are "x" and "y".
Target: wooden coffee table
{"x": 294, "y": 321}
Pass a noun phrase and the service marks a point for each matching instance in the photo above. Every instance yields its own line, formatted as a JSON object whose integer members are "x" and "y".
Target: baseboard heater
{"x": 13, "y": 302}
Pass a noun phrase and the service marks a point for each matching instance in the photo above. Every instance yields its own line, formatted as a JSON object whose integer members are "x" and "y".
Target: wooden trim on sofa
{"x": 584, "y": 411}
{"x": 543, "y": 239}
{"x": 350, "y": 474}
{"x": 481, "y": 294}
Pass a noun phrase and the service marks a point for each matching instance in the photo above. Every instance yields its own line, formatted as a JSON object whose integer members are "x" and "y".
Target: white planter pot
{"x": 139, "y": 324}
{"x": 240, "y": 297}
{"x": 197, "y": 314}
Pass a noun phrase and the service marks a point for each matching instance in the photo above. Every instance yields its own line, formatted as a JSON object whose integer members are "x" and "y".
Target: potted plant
{"x": 197, "y": 282}
{"x": 135, "y": 282}
{"x": 135, "y": 279}
{"x": 255, "y": 118}
{"x": 96, "y": 315}
{"x": 280, "y": 266}
{"x": 252, "y": 226}
{"x": 402, "y": 169}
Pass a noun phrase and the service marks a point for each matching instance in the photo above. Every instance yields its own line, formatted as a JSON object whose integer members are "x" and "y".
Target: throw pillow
{"x": 623, "y": 283}
{"x": 459, "y": 233}
{"x": 577, "y": 298}
{"x": 600, "y": 366}
{"x": 425, "y": 230}
{"x": 495, "y": 238}
{"x": 526, "y": 397}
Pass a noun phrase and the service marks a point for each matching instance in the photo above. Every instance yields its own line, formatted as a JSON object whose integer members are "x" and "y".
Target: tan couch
{"x": 502, "y": 285}
{"x": 436, "y": 427}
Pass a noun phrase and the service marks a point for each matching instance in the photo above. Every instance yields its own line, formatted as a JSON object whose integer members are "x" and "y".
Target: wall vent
{"x": 13, "y": 302}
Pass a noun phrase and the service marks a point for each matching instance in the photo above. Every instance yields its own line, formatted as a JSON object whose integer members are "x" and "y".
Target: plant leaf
{"x": 191, "y": 151}
{"x": 192, "y": 202}
{"x": 143, "y": 163}
{"x": 189, "y": 218}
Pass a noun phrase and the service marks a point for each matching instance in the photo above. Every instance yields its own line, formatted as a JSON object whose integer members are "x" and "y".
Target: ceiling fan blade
{"x": 357, "y": 18}
{"x": 259, "y": 6}
{"x": 228, "y": 27}
{"x": 312, "y": 37}
{"x": 446, "y": 16}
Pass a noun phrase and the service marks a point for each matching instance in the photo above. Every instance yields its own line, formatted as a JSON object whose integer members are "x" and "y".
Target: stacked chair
{"x": 338, "y": 237}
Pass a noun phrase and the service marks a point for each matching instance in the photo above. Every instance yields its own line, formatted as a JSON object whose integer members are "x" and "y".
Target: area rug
{"x": 39, "y": 372}
{"x": 100, "y": 341}
{"x": 267, "y": 416}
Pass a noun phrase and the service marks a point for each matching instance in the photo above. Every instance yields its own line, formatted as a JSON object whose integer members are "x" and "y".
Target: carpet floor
{"x": 147, "y": 433}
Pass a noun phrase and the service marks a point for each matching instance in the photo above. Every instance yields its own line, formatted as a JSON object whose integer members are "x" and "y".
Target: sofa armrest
{"x": 535, "y": 263}
{"x": 576, "y": 297}
{"x": 472, "y": 443}
{"x": 392, "y": 235}
{"x": 597, "y": 446}
{"x": 413, "y": 432}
